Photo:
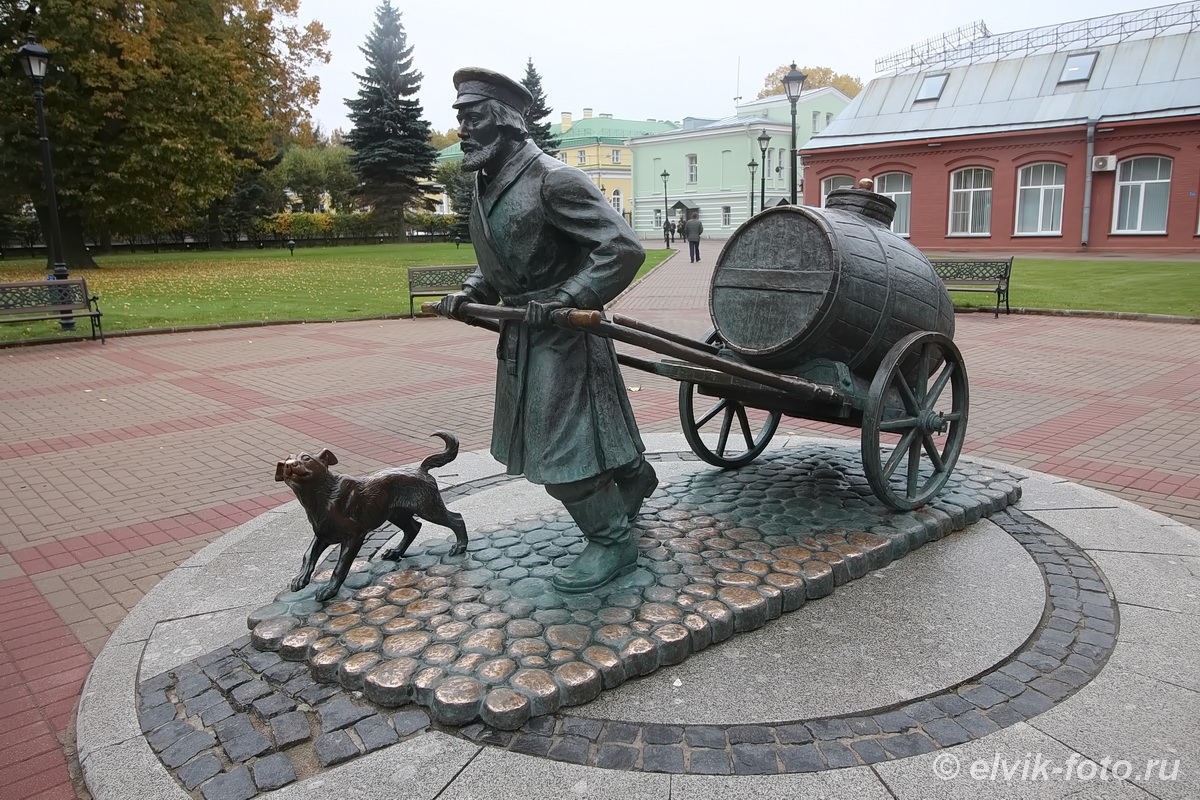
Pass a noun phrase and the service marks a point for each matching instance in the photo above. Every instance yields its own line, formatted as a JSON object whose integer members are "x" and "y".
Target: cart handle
{"x": 567, "y": 317}
{"x": 623, "y": 330}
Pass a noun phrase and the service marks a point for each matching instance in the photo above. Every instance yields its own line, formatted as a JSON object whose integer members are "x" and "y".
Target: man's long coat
{"x": 543, "y": 231}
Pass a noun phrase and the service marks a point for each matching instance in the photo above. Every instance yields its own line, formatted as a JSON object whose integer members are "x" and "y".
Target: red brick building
{"x": 1083, "y": 137}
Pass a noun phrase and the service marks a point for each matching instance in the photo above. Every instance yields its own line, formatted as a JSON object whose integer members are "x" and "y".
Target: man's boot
{"x": 611, "y": 545}
{"x": 637, "y": 480}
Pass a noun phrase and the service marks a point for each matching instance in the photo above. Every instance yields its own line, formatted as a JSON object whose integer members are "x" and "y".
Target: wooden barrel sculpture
{"x": 796, "y": 283}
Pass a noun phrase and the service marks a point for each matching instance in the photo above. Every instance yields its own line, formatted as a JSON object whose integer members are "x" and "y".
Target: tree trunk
{"x": 215, "y": 240}
{"x": 75, "y": 252}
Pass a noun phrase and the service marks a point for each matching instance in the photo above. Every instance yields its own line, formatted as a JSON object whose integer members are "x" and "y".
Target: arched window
{"x": 971, "y": 202}
{"x": 618, "y": 201}
{"x": 1143, "y": 186}
{"x": 1040, "y": 198}
{"x": 897, "y": 186}
{"x": 835, "y": 182}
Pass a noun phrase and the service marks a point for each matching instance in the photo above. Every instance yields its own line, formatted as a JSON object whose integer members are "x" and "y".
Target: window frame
{"x": 928, "y": 90}
{"x": 1041, "y": 189}
{"x": 693, "y": 169}
{"x": 726, "y": 216}
{"x": 616, "y": 156}
{"x": 580, "y": 157}
{"x": 826, "y": 188}
{"x": 1084, "y": 77}
{"x": 906, "y": 193}
{"x": 971, "y": 192}
{"x": 1120, "y": 184}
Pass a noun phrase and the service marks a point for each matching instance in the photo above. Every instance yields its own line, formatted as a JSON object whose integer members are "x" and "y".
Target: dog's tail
{"x": 446, "y": 456}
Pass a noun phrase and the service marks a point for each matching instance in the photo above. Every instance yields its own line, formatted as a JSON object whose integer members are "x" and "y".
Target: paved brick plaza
{"x": 120, "y": 461}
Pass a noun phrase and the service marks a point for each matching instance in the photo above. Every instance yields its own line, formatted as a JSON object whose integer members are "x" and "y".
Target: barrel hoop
{"x": 772, "y": 280}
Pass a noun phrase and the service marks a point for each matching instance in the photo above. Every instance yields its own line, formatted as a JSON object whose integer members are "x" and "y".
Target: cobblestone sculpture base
{"x": 484, "y": 636}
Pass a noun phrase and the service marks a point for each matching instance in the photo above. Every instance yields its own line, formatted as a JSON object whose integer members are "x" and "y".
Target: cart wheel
{"x": 735, "y": 446}
{"x": 909, "y": 405}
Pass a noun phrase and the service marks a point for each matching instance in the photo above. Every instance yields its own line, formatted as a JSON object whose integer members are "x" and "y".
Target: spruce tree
{"x": 389, "y": 138}
{"x": 539, "y": 132}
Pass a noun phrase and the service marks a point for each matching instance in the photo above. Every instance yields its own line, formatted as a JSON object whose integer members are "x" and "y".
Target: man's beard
{"x": 480, "y": 156}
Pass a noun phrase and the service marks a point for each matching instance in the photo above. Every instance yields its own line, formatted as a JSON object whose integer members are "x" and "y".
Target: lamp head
{"x": 764, "y": 139}
{"x": 793, "y": 83}
{"x": 753, "y": 165}
{"x": 33, "y": 58}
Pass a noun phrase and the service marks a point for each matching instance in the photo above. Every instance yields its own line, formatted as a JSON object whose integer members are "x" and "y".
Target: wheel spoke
{"x": 923, "y": 363}
{"x": 911, "y": 404}
{"x": 935, "y": 455}
{"x": 712, "y": 412}
{"x": 897, "y": 424}
{"x": 914, "y": 466}
{"x": 726, "y": 424}
{"x": 745, "y": 423}
{"x": 935, "y": 391}
{"x": 898, "y": 453}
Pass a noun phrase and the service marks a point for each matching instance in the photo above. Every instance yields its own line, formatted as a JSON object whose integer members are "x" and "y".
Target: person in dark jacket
{"x": 547, "y": 239}
{"x": 691, "y": 231}
{"x": 668, "y": 232}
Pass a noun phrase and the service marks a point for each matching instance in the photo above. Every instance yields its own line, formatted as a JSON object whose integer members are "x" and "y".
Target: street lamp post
{"x": 34, "y": 59}
{"x": 752, "y": 166}
{"x": 793, "y": 84}
{"x": 666, "y": 212}
{"x": 764, "y": 139}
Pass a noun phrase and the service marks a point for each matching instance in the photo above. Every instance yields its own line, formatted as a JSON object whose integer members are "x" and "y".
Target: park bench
{"x": 976, "y": 275}
{"x": 29, "y": 301}
{"x": 435, "y": 282}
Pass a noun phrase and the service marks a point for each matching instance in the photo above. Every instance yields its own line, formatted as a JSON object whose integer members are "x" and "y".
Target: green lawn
{"x": 147, "y": 290}
{"x": 165, "y": 290}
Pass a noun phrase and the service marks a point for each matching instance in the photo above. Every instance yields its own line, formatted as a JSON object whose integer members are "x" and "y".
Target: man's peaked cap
{"x": 475, "y": 84}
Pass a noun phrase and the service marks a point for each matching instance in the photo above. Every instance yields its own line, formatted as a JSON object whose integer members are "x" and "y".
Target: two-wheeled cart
{"x": 822, "y": 314}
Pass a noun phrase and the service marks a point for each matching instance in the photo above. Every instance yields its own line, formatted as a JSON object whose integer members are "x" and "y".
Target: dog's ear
{"x": 327, "y": 457}
{"x": 279, "y": 471}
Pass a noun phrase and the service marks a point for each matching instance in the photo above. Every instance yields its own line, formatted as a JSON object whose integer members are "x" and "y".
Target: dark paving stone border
{"x": 1068, "y": 648}
{"x": 238, "y": 707}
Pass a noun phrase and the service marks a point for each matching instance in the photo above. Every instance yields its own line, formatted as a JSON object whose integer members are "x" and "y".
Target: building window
{"x": 1040, "y": 198}
{"x": 931, "y": 87}
{"x": 898, "y": 186}
{"x": 828, "y": 118}
{"x": 658, "y": 220}
{"x": 816, "y": 121}
{"x": 616, "y": 156}
{"x": 726, "y": 216}
{"x": 618, "y": 201}
{"x": 693, "y": 170}
{"x": 562, "y": 156}
{"x": 971, "y": 202}
{"x": 1078, "y": 68}
{"x": 1143, "y": 185}
{"x": 835, "y": 182}
{"x": 581, "y": 156}
{"x": 767, "y": 166}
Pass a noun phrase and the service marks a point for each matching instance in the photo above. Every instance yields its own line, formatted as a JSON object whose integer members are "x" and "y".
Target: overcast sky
{"x": 650, "y": 59}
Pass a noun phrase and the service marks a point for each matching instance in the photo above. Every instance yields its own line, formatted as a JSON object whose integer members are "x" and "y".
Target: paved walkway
{"x": 118, "y": 462}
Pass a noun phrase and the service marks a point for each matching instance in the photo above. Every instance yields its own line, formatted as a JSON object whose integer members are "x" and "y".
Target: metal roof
{"x": 1141, "y": 76}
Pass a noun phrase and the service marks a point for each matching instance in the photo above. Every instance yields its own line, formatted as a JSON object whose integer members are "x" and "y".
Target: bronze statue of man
{"x": 547, "y": 239}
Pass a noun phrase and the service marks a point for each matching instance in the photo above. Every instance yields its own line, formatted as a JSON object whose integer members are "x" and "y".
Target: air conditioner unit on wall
{"x": 1104, "y": 163}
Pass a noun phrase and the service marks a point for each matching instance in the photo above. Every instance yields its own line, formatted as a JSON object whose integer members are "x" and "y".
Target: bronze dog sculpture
{"x": 344, "y": 509}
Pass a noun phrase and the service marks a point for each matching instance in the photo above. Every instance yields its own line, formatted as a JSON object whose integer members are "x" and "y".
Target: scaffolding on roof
{"x": 974, "y": 42}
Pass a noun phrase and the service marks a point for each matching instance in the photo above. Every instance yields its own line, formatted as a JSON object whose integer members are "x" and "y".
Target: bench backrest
{"x": 437, "y": 278}
{"x": 22, "y": 297}
{"x": 972, "y": 269}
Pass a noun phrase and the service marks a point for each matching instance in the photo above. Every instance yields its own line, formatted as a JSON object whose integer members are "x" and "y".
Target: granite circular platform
{"x": 988, "y": 640}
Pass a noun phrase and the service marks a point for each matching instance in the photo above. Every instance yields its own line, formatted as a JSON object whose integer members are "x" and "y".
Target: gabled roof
{"x": 1138, "y": 73}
